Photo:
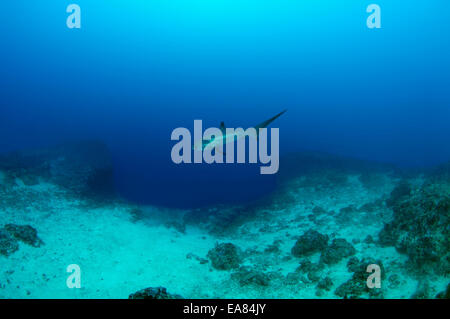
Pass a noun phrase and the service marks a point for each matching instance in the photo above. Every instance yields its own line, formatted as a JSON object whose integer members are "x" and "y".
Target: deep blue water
{"x": 138, "y": 69}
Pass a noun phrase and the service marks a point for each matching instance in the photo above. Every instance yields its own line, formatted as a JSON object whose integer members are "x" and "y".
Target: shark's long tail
{"x": 266, "y": 123}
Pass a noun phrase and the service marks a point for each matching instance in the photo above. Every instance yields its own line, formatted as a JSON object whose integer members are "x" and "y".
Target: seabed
{"x": 312, "y": 238}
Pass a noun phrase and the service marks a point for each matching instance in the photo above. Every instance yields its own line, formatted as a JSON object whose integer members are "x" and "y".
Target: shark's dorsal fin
{"x": 222, "y": 127}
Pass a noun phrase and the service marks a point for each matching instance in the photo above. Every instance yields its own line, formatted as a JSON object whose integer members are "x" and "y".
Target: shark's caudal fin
{"x": 266, "y": 123}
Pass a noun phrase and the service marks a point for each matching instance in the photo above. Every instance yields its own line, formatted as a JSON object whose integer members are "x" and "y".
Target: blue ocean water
{"x": 138, "y": 69}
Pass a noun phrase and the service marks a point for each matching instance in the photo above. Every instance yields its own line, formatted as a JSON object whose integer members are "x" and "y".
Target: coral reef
{"x": 420, "y": 227}
{"x": 357, "y": 284}
{"x": 305, "y": 240}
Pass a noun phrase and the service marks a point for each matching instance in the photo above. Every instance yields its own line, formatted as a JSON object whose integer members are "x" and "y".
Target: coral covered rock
{"x": 444, "y": 294}
{"x": 420, "y": 228}
{"x": 24, "y": 233}
{"x": 339, "y": 249}
{"x": 310, "y": 242}
{"x": 325, "y": 284}
{"x": 357, "y": 285}
{"x": 399, "y": 193}
{"x": 8, "y": 244}
{"x": 295, "y": 278}
{"x": 247, "y": 276}
{"x": 224, "y": 256}
{"x": 422, "y": 290}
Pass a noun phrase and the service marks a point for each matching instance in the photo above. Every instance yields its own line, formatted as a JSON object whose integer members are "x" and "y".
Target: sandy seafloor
{"x": 120, "y": 254}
